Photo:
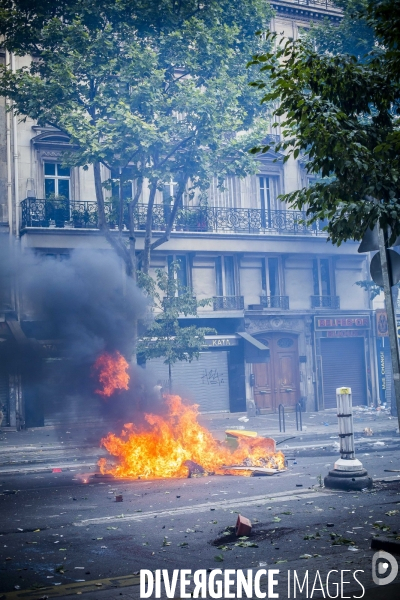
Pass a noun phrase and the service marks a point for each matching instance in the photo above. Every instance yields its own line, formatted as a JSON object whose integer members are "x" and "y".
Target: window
{"x": 322, "y": 277}
{"x": 127, "y": 186}
{"x": 225, "y": 276}
{"x": 169, "y": 191}
{"x": 181, "y": 273}
{"x": 270, "y": 279}
{"x": 268, "y": 188}
{"x": 56, "y": 180}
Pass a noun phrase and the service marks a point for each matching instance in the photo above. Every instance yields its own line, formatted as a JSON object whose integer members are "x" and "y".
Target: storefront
{"x": 215, "y": 381}
{"x": 342, "y": 350}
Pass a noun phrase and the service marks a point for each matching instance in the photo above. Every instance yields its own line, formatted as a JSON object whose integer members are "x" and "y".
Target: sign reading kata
{"x": 361, "y": 322}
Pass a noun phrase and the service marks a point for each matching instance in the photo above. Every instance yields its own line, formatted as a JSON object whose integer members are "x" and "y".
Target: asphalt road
{"x": 56, "y": 530}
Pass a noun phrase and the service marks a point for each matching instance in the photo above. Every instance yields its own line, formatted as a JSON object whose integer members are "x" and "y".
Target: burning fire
{"x": 111, "y": 370}
{"x": 162, "y": 448}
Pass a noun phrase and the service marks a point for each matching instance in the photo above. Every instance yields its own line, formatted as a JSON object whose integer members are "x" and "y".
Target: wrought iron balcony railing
{"x": 211, "y": 219}
{"x": 327, "y": 4}
{"x": 228, "y": 302}
{"x": 275, "y": 302}
{"x": 325, "y": 302}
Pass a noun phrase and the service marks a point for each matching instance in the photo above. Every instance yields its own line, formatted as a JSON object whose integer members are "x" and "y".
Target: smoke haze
{"x": 87, "y": 305}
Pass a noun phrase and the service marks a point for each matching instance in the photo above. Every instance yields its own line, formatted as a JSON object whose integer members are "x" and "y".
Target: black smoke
{"x": 72, "y": 308}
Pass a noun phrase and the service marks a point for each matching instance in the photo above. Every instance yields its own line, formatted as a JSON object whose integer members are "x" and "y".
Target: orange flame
{"x": 162, "y": 448}
{"x": 111, "y": 372}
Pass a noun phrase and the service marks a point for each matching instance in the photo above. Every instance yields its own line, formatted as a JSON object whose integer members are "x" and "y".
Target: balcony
{"x": 207, "y": 219}
{"x": 325, "y": 302}
{"x": 228, "y": 303}
{"x": 275, "y": 302}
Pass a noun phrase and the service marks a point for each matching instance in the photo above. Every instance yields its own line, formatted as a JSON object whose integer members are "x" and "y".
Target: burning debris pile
{"x": 162, "y": 447}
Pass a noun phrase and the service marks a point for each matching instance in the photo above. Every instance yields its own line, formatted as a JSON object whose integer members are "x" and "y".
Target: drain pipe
{"x": 16, "y": 160}
{"x": 9, "y": 167}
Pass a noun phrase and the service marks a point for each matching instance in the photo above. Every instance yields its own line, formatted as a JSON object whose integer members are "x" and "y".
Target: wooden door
{"x": 263, "y": 386}
{"x": 277, "y": 382}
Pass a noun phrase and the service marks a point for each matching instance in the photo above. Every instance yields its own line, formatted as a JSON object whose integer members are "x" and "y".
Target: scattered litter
{"x": 243, "y": 526}
{"x": 379, "y": 443}
{"x": 243, "y": 419}
{"x": 353, "y": 549}
{"x": 330, "y": 524}
{"x": 57, "y": 470}
{"x": 306, "y": 556}
{"x": 368, "y": 431}
{"x": 392, "y": 513}
{"x": 118, "y": 498}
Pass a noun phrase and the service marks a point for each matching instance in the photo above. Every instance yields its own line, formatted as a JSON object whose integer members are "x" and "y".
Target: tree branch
{"x": 167, "y": 234}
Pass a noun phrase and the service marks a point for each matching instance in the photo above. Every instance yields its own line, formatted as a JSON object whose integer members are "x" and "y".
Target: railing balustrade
{"x": 325, "y": 302}
{"x": 208, "y": 219}
{"x": 228, "y": 302}
{"x": 275, "y": 302}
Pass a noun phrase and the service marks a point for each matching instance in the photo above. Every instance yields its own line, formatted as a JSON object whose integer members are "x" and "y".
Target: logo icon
{"x": 384, "y": 568}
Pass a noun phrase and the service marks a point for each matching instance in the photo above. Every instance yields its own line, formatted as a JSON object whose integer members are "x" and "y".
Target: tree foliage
{"x": 352, "y": 35}
{"x": 152, "y": 89}
{"x": 340, "y": 115}
{"x": 165, "y": 337}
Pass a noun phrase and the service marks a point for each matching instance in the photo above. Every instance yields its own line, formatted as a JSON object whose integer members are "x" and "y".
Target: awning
{"x": 252, "y": 340}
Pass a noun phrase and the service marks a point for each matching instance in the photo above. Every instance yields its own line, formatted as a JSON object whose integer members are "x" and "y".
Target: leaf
{"x": 276, "y": 519}
{"x": 219, "y": 558}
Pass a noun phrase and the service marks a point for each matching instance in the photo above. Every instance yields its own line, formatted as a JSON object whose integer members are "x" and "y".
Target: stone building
{"x": 291, "y": 323}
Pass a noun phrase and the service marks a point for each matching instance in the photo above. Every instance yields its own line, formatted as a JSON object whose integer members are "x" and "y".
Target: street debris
{"x": 368, "y": 431}
{"x": 118, "y": 498}
{"x": 243, "y": 526}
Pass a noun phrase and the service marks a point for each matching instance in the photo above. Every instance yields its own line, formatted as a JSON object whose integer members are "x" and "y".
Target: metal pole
{"x": 391, "y": 315}
{"x": 281, "y": 413}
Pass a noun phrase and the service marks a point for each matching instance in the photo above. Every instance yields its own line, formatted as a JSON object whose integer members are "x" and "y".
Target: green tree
{"x": 165, "y": 337}
{"x": 342, "y": 114}
{"x": 151, "y": 90}
{"x": 352, "y": 35}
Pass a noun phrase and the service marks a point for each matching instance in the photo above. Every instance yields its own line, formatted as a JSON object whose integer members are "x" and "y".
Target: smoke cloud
{"x": 86, "y": 305}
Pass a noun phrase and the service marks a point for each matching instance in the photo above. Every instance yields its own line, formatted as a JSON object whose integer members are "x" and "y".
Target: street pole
{"x": 391, "y": 314}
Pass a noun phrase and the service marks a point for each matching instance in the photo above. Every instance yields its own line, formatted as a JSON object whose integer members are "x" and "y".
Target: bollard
{"x": 281, "y": 414}
{"x": 299, "y": 419}
{"x": 348, "y": 472}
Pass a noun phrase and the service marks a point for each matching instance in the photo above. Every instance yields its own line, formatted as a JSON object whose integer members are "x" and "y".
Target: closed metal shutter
{"x": 203, "y": 382}
{"x": 343, "y": 365}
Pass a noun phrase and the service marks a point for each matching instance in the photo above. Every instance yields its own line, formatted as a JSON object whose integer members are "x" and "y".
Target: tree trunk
{"x": 115, "y": 241}
{"x": 170, "y": 378}
{"x": 121, "y": 203}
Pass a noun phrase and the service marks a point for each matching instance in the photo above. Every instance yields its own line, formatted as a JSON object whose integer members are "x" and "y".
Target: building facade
{"x": 292, "y": 325}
